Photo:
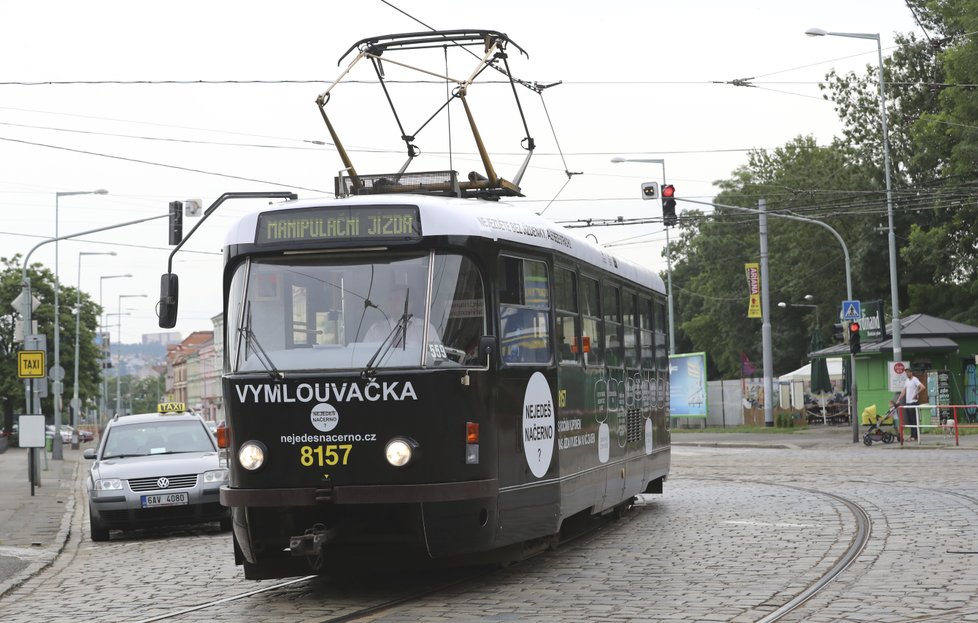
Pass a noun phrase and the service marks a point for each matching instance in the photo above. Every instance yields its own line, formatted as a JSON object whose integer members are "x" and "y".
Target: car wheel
{"x": 97, "y": 530}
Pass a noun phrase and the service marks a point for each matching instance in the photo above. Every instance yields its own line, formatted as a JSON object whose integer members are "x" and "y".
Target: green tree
{"x": 42, "y": 288}
{"x": 711, "y": 297}
{"x": 933, "y": 123}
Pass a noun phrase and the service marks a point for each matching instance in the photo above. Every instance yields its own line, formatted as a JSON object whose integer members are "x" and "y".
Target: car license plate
{"x": 165, "y": 499}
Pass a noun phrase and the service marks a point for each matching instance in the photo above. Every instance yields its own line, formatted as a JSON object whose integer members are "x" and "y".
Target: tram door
{"x": 525, "y": 405}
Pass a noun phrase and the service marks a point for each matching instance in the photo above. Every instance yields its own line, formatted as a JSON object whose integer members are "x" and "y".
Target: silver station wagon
{"x": 155, "y": 469}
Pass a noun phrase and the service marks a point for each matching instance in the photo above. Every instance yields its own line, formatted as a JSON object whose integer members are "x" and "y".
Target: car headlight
{"x": 251, "y": 455}
{"x": 216, "y": 475}
{"x": 108, "y": 484}
{"x": 400, "y": 451}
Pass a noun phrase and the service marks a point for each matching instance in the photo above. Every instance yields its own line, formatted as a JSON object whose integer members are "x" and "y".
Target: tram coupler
{"x": 312, "y": 542}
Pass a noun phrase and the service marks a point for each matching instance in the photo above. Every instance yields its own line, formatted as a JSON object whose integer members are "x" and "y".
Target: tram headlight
{"x": 400, "y": 451}
{"x": 251, "y": 455}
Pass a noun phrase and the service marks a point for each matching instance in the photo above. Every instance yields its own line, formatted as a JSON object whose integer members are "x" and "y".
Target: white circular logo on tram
{"x": 538, "y": 425}
{"x": 324, "y": 417}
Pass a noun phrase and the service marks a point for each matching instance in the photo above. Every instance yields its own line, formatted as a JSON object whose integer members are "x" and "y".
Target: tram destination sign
{"x": 335, "y": 223}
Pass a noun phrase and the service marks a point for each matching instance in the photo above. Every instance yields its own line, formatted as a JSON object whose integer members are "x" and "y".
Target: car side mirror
{"x": 169, "y": 299}
{"x": 487, "y": 349}
{"x": 89, "y": 453}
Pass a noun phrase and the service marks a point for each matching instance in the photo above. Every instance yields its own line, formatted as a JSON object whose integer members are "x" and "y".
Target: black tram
{"x": 412, "y": 378}
{"x": 425, "y": 378}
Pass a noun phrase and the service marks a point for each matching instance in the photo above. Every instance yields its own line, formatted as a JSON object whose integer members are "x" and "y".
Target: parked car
{"x": 155, "y": 469}
{"x": 65, "y": 432}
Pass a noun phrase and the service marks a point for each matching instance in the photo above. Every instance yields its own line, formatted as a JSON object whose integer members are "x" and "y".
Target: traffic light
{"x": 669, "y": 206}
{"x": 839, "y": 333}
{"x": 854, "y": 337}
{"x": 176, "y": 222}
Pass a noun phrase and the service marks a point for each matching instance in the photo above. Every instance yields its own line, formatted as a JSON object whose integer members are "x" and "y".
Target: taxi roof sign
{"x": 171, "y": 407}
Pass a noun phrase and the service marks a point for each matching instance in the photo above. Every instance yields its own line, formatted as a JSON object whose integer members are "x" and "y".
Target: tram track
{"x": 354, "y": 614}
{"x": 425, "y": 587}
{"x": 857, "y": 544}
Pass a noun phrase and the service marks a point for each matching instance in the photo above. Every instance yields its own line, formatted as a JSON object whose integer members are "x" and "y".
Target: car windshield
{"x": 367, "y": 312}
{"x": 146, "y": 438}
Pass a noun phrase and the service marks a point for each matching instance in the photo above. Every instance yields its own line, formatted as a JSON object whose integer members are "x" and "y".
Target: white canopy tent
{"x": 795, "y": 384}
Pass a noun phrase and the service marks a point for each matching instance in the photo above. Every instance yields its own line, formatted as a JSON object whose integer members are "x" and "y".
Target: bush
{"x": 784, "y": 419}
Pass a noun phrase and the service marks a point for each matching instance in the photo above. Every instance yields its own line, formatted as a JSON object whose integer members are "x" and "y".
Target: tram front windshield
{"x": 355, "y": 313}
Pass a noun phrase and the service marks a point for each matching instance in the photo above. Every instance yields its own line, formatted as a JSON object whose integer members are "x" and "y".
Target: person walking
{"x": 909, "y": 397}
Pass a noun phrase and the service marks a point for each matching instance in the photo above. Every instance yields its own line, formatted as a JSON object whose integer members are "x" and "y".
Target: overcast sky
{"x": 641, "y": 79}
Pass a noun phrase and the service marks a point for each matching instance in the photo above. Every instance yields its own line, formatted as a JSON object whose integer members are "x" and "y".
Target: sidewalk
{"x": 809, "y": 437}
{"x": 33, "y": 530}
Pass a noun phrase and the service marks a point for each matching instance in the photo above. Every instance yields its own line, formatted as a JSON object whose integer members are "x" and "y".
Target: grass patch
{"x": 740, "y": 429}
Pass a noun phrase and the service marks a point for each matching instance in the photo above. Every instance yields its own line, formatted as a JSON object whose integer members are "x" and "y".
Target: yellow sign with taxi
{"x": 30, "y": 364}
{"x": 171, "y": 407}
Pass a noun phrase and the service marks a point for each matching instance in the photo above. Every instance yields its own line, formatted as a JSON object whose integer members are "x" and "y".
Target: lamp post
{"x": 660, "y": 161}
{"x": 104, "y": 390}
{"x": 118, "y": 372}
{"x": 56, "y": 450}
{"x": 891, "y": 235}
{"x": 108, "y": 325}
{"x": 75, "y": 401}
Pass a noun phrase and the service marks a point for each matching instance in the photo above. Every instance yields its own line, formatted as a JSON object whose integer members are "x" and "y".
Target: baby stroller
{"x": 876, "y": 423}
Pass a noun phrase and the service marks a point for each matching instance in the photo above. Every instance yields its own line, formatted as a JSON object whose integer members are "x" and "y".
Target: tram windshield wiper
{"x": 251, "y": 340}
{"x": 397, "y": 334}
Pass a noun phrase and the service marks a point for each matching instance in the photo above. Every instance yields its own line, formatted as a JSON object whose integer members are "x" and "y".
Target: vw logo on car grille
{"x": 163, "y": 482}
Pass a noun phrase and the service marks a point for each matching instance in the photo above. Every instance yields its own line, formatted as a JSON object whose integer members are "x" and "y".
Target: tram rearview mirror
{"x": 169, "y": 298}
{"x": 487, "y": 349}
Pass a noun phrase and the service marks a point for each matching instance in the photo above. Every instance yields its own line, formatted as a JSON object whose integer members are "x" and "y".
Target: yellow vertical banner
{"x": 753, "y": 270}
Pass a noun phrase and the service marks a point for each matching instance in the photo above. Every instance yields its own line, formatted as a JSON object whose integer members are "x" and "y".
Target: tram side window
{"x": 645, "y": 333}
{"x": 612, "y": 326}
{"x": 591, "y": 339}
{"x": 661, "y": 348}
{"x": 630, "y": 317}
{"x": 565, "y": 300}
{"x": 524, "y": 310}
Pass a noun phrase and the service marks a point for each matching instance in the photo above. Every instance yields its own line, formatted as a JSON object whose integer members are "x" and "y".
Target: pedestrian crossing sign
{"x": 851, "y": 310}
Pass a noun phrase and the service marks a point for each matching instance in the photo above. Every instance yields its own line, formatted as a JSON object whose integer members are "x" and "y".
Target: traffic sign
{"x": 56, "y": 373}
{"x": 851, "y": 310}
{"x": 18, "y": 302}
{"x": 30, "y": 364}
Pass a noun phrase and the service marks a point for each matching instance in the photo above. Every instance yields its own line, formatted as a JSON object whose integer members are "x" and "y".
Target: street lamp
{"x": 894, "y": 296}
{"x": 56, "y": 450}
{"x": 118, "y": 372}
{"x": 75, "y": 401}
{"x": 807, "y": 297}
{"x": 672, "y": 336}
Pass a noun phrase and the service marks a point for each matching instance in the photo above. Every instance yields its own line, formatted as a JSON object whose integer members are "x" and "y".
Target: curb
{"x": 48, "y": 555}
{"x": 737, "y": 444}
